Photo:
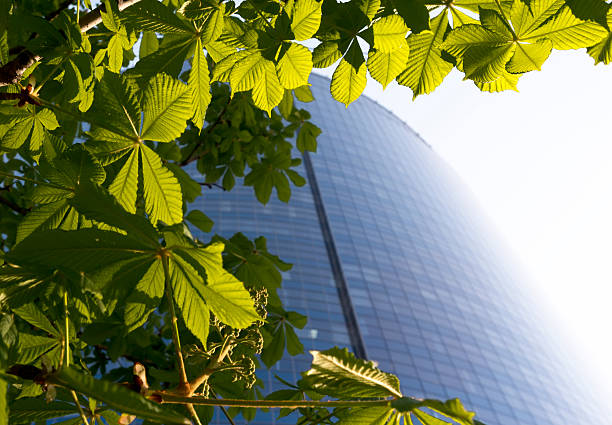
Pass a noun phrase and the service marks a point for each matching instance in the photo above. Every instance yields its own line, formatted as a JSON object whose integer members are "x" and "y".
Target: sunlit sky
{"x": 540, "y": 164}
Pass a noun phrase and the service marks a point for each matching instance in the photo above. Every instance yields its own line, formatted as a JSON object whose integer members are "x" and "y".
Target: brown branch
{"x": 12, "y": 72}
{"x": 13, "y": 206}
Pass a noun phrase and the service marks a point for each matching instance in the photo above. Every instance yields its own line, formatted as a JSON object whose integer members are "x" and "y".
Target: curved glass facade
{"x": 426, "y": 289}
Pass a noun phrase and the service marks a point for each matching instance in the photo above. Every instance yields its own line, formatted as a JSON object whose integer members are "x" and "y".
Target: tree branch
{"x": 267, "y": 404}
{"x": 13, "y": 206}
{"x": 12, "y": 72}
{"x": 214, "y": 364}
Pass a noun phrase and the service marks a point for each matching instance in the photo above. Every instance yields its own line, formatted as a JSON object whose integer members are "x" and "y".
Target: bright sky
{"x": 540, "y": 163}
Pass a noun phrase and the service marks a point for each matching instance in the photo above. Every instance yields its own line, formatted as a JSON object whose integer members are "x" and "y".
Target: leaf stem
{"x": 184, "y": 384}
{"x": 46, "y": 78}
{"x": 78, "y": 404}
{"x": 38, "y": 182}
{"x": 268, "y": 404}
{"x": 66, "y": 329}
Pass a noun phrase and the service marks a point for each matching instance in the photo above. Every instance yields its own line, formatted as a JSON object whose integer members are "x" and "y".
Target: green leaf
{"x": 187, "y": 287}
{"x": 200, "y": 220}
{"x": 426, "y": 69}
{"x": 146, "y": 296}
{"x": 285, "y": 107}
{"x": 77, "y": 250}
{"x": 116, "y": 108}
{"x": 294, "y": 66}
{"x": 167, "y": 107}
{"x": 505, "y": 82}
{"x": 212, "y": 15}
{"x": 602, "y": 51}
{"x": 467, "y": 36}
{"x": 451, "y": 408}
{"x": 45, "y": 217}
{"x": 338, "y": 373}
{"x": 385, "y": 66}
{"x": 493, "y": 21}
{"x": 369, "y": 7}
{"x": 125, "y": 185}
{"x": 199, "y": 82}
{"x": 169, "y": 59}
{"x": 116, "y": 396}
{"x": 367, "y": 416}
{"x": 529, "y": 57}
{"x": 484, "y": 64}
{"x": 95, "y": 203}
{"x": 162, "y": 191}
{"x": 528, "y": 17}
{"x": 307, "y": 137}
{"x": 149, "y": 43}
{"x": 567, "y": 31}
{"x": 326, "y": 54}
{"x": 389, "y": 33}
{"x": 27, "y": 410}
{"x": 305, "y": 18}
{"x": 304, "y": 94}
{"x": 151, "y": 15}
{"x": 267, "y": 92}
{"x": 349, "y": 78}
{"x": 31, "y": 347}
{"x": 32, "y": 314}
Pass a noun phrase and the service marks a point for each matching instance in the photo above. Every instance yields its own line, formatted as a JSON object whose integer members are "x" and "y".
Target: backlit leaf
{"x": 389, "y": 33}
{"x": 349, "y": 78}
{"x": 162, "y": 191}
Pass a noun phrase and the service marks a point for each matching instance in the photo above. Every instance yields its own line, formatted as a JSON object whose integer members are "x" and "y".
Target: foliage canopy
{"x": 98, "y": 260}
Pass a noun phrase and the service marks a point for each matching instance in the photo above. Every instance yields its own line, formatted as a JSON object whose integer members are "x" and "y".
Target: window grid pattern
{"x": 438, "y": 301}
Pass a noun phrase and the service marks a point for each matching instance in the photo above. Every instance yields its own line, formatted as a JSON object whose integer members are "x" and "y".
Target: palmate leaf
{"x": 32, "y": 314}
{"x": 31, "y": 347}
{"x": 162, "y": 191}
{"x": 368, "y": 416}
{"x": 326, "y": 54}
{"x": 268, "y": 91}
{"x": 426, "y": 69}
{"x": 566, "y": 31}
{"x": 369, "y": 7}
{"x": 389, "y": 33}
{"x": 468, "y": 36}
{"x": 338, "y": 373}
{"x": 26, "y": 124}
{"x": 211, "y": 14}
{"x": 167, "y": 107}
{"x": 452, "y": 409}
{"x": 476, "y": 5}
{"x": 349, "y": 78}
{"x": 305, "y": 18}
{"x": 385, "y": 66}
{"x": 186, "y": 288}
{"x": 199, "y": 82}
{"x": 169, "y": 58}
{"x": 116, "y": 396}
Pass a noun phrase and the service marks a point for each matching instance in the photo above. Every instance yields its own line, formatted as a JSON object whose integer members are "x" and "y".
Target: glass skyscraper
{"x": 393, "y": 259}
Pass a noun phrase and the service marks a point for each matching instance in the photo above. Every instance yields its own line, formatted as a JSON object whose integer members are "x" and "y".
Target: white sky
{"x": 540, "y": 163}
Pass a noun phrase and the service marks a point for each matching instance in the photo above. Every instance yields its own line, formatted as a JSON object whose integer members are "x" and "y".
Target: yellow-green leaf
{"x": 305, "y": 18}
{"x": 385, "y": 66}
{"x": 268, "y": 91}
{"x": 167, "y": 106}
{"x": 425, "y": 68}
{"x": 389, "y": 33}
{"x": 529, "y": 57}
{"x": 350, "y": 77}
{"x": 162, "y": 191}
{"x": 505, "y": 82}
{"x": 484, "y": 64}
{"x": 199, "y": 82}
{"x": 125, "y": 185}
{"x": 294, "y": 66}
